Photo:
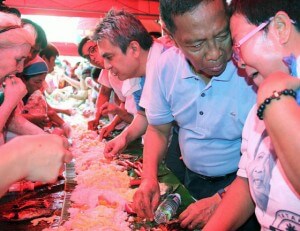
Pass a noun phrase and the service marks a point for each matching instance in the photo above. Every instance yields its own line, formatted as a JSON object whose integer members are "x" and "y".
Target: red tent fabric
{"x": 66, "y": 49}
{"x": 89, "y": 12}
{"x": 143, "y": 9}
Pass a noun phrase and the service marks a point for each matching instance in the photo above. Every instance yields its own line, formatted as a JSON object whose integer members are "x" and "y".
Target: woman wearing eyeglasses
{"x": 266, "y": 35}
{"x": 24, "y": 157}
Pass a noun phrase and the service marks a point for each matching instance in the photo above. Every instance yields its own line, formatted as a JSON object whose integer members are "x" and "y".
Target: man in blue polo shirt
{"x": 196, "y": 85}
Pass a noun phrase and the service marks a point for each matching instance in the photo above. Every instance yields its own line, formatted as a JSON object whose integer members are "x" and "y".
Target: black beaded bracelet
{"x": 275, "y": 95}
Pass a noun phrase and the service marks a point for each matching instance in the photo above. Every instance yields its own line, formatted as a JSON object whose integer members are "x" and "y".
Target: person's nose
{"x": 213, "y": 51}
{"x": 107, "y": 65}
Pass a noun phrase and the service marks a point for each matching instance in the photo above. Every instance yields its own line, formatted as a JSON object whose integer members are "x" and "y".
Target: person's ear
{"x": 134, "y": 48}
{"x": 283, "y": 26}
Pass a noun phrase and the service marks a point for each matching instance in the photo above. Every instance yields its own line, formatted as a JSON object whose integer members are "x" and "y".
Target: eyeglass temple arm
{"x": 254, "y": 31}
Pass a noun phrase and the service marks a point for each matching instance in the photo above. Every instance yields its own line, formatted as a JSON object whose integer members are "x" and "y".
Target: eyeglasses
{"x": 91, "y": 52}
{"x": 236, "y": 46}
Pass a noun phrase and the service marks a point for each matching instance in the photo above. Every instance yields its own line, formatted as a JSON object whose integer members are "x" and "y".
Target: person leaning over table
{"x": 124, "y": 45}
{"x": 267, "y": 46}
{"x": 24, "y": 156}
{"x": 12, "y": 61}
{"x": 128, "y": 51}
{"x": 197, "y": 85}
{"x": 36, "y": 108}
{"x": 135, "y": 54}
{"x": 88, "y": 49}
{"x": 19, "y": 125}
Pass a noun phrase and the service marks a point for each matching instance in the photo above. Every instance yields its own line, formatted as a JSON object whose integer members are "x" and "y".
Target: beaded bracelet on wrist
{"x": 275, "y": 95}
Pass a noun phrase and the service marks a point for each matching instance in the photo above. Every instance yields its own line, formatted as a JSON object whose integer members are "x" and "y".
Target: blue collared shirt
{"x": 210, "y": 116}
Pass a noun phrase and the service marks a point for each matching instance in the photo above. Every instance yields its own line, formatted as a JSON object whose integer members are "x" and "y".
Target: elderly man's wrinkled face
{"x": 203, "y": 36}
{"x": 91, "y": 53}
{"x": 12, "y": 60}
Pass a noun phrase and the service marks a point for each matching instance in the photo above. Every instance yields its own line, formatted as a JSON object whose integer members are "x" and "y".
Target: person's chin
{"x": 121, "y": 77}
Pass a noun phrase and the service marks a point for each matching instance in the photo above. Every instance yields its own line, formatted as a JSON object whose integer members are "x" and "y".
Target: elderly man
{"x": 198, "y": 86}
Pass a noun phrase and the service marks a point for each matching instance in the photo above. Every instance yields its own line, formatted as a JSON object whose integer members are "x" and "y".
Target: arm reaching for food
{"x": 27, "y": 157}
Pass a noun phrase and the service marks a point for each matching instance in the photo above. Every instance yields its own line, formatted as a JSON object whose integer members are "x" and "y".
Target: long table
{"x": 58, "y": 195}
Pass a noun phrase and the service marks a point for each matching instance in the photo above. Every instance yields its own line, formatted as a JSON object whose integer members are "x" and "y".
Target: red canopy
{"x": 89, "y": 12}
{"x": 143, "y": 9}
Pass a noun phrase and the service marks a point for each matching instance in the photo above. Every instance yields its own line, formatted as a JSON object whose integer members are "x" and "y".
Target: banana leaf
{"x": 167, "y": 177}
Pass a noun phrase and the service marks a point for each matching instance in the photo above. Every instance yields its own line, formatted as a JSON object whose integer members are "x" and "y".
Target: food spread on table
{"x": 100, "y": 196}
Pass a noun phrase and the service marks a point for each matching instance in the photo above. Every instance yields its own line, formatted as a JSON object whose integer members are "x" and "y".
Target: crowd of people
{"x": 215, "y": 99}
{"x": 28, "y": 155}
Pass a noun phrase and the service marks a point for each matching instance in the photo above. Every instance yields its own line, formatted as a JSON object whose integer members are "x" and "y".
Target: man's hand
{"x": 41, "y": 120}
{"x": 93, "y": 124}
{"x": 109, "y": 108}
{"x": 41, "y": 157}
{"x": 197, "y": 214}
{"x": 14, "y": 90}
{"x": 146, "y": 198}
{"x": 115, "y": 146}
{"x": 106, "y": 130}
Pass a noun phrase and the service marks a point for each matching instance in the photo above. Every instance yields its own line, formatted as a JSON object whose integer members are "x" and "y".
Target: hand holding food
{"x": 115, "y": 146}
{"x": 42, "y": 157}
{"x": 106, "y": 130}
{"x": 109, "y": 108}
{"x": 93, "y": 124}
{"x": 146, "y": 198}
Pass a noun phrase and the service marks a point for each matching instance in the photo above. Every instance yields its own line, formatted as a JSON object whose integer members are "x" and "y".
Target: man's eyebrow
{"x": 191, "y": 42}
{"x": 105, "y": 55}
{"x": 225, "y": 30}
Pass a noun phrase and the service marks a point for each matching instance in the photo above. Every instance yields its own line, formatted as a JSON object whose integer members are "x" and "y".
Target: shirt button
{"x": 203, "y": 94}
{"x": 201, "y": 113}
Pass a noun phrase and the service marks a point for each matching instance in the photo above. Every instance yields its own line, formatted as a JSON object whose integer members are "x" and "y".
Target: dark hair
{"x": 95, "y": 73}
{"x": 155, "y": 34}
{"x": 170, "y": 8}
{"x": 121, "y": 28}
{"x": 6, "y": 9}
{"x": 81, "y": 44}
{"x": 259, "y": 11}
{"x": 49, "y": 51}
{"x": 41, "y": 35}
